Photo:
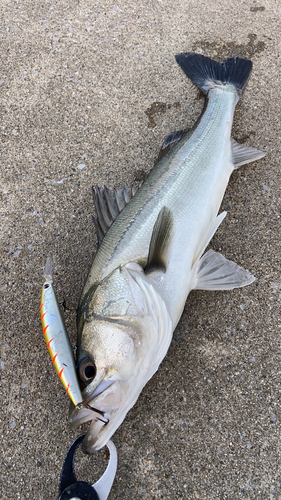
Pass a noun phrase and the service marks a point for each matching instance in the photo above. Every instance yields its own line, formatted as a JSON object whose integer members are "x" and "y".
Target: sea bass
{"x": 151, "y": 255}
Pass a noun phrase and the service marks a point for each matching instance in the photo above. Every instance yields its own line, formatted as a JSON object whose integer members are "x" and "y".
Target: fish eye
{"x": 47, "y": 285}
{"x": 87, "y": 369}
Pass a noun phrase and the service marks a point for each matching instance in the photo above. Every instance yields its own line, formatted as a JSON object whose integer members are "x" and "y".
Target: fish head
{"x": 124, "y": 339}
{"x": 107, "y": 365}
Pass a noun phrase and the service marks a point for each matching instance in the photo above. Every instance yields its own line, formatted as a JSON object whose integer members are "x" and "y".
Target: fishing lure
{"x": 59, "y": 347}
{"x": 57, "y": 339}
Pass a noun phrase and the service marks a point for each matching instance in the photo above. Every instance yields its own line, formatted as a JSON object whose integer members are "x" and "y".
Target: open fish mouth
{"x": 83, "y": 413}
{"x": 98, "y": 408}
{"x": 103, "y": 409}
{"x": 100, "y": 415}
{"x": 88, "y": 410}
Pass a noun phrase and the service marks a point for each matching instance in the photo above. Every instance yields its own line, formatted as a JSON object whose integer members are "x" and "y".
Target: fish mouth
{"x": 89, "y": 408}
{"x": 100, "y": 415}
{"x": 97, "y": 408}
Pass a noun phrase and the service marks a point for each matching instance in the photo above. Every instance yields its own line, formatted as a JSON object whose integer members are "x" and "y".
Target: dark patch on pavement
{"x": 156, "y": 109}
{"x": 257, "y": 9}
{"x": 139, "y": 176}
{"x": 220, "y": 50}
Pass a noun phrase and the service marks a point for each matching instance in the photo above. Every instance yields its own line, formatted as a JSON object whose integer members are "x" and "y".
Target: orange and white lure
{"x": 57, "y": 339}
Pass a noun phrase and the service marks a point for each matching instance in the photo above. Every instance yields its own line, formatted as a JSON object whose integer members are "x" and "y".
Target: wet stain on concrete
{"x": 156, "y": 109}
{"x": 139, "y": 176}
{"x": 220, "y": 50}
{"x": 245, "y": 137}
{"x": 257, "y": 9}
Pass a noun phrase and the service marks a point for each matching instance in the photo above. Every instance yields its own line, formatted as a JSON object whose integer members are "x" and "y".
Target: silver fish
{"x": 151, "y": 255}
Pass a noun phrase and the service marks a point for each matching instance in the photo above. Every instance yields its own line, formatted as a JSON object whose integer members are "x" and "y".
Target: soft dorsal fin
{"x": 169, "y": 142}
{"x": 108, "y": 204}
{"x": 160, "y": 241}
{"x": 244, "y": 154}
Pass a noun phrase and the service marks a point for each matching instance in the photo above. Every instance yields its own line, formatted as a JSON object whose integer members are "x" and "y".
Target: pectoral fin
{"x": 243, "y": 154}
{"x": 215, "y": 272}
{"x": 158, "y": 255}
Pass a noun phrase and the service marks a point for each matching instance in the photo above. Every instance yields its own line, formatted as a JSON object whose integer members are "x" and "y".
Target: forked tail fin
{"x": 204, "y": 72}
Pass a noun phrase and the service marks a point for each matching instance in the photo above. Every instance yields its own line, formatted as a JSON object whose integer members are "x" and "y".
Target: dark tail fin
{"x": 203, "y": 71}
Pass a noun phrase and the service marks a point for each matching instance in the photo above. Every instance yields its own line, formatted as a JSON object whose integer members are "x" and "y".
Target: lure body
{"x": 58, "y": 343}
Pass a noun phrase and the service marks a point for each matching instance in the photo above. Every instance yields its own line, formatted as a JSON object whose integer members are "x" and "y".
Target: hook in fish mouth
{"x": 104, "y": 419}
{"x": 99, "y": 409}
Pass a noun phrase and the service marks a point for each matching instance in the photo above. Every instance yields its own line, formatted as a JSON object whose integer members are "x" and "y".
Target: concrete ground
{"x": 89, "y": 89}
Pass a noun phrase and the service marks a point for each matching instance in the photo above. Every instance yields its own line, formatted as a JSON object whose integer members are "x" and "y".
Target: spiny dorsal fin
{"x": 160, "y": 241}
{"x": 244, "y": 154}
{"x": 169, "y": 142}
{"x": 108, "y": 205}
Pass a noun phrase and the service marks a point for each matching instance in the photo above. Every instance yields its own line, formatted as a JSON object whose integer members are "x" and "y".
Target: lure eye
{"x": 87, "y": 370}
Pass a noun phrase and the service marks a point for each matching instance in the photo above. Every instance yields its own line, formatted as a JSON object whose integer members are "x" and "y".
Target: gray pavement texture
{"x": 89, "y": 89}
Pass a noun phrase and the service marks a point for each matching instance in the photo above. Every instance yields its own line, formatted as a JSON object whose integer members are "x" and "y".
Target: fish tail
{"x": 204, "y": 72}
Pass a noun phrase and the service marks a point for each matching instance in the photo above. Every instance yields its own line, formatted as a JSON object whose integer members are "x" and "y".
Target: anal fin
{"x": 215, "y": 272}
{"x": 244, "y": 154}
{"x": 158, "y": 254}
